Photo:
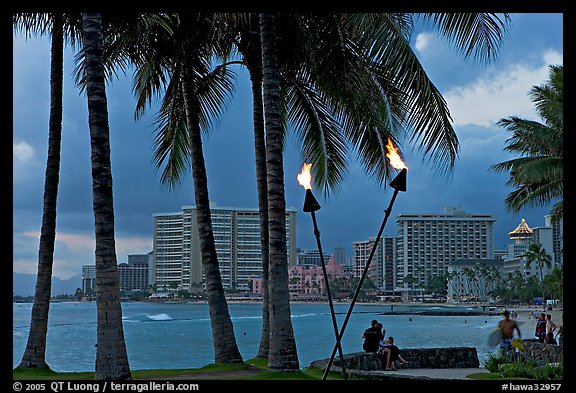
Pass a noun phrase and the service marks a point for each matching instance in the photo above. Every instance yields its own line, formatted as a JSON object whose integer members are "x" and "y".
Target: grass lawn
{"x": 252, "y": 369}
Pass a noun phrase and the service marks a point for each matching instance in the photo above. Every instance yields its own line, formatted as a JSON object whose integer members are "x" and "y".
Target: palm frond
{"x": 474, "y": 35}
{"x": 32, "y": 23}
{"x": 428, "y": 118}
{"x": 171, "y": 144}
{"x": 213, "y": 92}
{"x": 362, "y": 97}
{"x": 549, "y": 98}
{"x": 318, "y": 129}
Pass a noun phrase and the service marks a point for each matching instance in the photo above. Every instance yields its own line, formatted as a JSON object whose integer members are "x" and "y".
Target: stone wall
{"x": 542, "y": 353}
{"x": 454, "y": 357}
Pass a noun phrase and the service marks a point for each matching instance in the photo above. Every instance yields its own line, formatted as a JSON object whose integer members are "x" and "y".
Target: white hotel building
{"x": 428, "y": 243}
{"x": 176, "y": 256}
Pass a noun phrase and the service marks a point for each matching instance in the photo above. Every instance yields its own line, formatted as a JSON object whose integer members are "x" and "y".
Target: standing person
{"x": 540, "y": 330}
{"x": 391, "y": 353}
{"x": 507, "y": 327}
{"x": 531, "y": 317}
{"x": 550, "y": 327}
{"x": 372, "y": 337}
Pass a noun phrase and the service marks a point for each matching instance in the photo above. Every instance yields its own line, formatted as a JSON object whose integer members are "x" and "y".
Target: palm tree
{"x": 35, "y": 353}
{"x": 111, "y": 356}
{"x": 538, "y": 173}
{"x": 317, "y": 116}
{"x": 472, "y": 279}
{"x": 249, "y": 46}
{"x": 172, "y": 54}
{"x": 410, "y": 280}
{"x": 408, "y": 98}
{"x": 555, "y": 283}
{"x": 61, "y": 27}
{"x": 282, "y": 354}
{"x": 225, "y": 347}
{"x": 483, "y": 273}
{"x": 537, "y": 255}
{"x": 495, "y": 278}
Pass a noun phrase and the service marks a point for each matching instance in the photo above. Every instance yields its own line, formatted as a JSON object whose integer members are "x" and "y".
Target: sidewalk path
{"x": 407, "y": 373}
{"x": 422, "y": 373}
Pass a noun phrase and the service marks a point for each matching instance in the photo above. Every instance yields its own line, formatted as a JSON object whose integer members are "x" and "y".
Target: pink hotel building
{"x": 305, "y": 280}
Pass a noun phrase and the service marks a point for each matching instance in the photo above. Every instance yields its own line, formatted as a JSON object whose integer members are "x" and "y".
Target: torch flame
{"x": 305, "y": 178}
{"x": 394, "y": 157}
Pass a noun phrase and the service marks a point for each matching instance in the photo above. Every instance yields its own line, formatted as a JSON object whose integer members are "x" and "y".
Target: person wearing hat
{"x": 372, "y": 337}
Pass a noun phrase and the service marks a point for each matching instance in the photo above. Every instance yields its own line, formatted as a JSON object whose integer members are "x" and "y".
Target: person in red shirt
{"x": 540, "y": 330}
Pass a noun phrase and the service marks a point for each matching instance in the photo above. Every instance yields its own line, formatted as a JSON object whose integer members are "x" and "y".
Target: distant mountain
{"x": 25, "y": 284}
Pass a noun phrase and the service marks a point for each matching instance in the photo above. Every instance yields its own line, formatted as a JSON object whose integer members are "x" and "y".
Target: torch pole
{"x": 327, "y": 284}
{"x": 339, "y": 337}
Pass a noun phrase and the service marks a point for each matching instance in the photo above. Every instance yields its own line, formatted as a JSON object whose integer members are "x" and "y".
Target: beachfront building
{"x": 176, "y": 256}
{"x": 311, "y": 258}
{"x": 361, "y": 251}
{"x": 557, "y": 239}
{"x": 305, "y": 281}
{"x": 349, "y": 266}
{"x": 88, "y": 278}
{"x": 133, "y": 275}
{"x": 472, "y": 280}
{"x": 522, "y": 236}
{"x": 308, "y": 281}
{"x": 389, "y": 264}
{"x": 501, "y": 254}
{"x": 340, "y": 256}
{"x": 428, "y": 243}
{"x": 144, "y": 261}
{"x": 381, "y": 270}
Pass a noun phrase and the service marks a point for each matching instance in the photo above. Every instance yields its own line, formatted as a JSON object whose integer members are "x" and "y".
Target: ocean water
{"x": 162, "y": 336}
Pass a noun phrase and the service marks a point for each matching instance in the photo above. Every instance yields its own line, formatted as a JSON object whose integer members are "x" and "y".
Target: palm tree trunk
{"x": 260, "y": 153}
{"x": 111, "y": 356}
{"x": 225, "y": 347}
{"x": 282, "y": 354}
{"x": 35, "y": 352}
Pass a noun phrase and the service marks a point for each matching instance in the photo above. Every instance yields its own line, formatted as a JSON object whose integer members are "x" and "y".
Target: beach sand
{"x": 524, "y": 316}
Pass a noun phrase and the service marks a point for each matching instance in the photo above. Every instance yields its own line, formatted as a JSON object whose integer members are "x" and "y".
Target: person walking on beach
{"x": 507, "y": 327}
{"x": 372, "y": 337}
{"x": 540, "y": 330}
{"x": 550, "y": 328}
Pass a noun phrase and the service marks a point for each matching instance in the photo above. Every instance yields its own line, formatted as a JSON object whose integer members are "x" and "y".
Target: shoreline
{"x": 523, "y": 311}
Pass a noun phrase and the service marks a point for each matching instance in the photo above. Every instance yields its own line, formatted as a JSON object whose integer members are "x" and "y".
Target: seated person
{"x": 372, "y": 336}
{"x": 391, "y": 353}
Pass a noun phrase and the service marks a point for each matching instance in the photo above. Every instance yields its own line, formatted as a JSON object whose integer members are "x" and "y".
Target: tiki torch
{"x": 311, "y": 205}
{"x": 398, "y": 184}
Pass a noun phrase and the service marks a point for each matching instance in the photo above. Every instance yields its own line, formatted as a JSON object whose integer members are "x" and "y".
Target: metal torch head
{"x": 310, "y": 202}
{"x": 399, "y": 182}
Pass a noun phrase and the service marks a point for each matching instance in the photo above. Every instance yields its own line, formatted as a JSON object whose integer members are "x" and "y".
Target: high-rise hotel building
{"x": 427, "y": 243}
{"x": 361, "y": 254}
{"x": 177, "y": 259}
{"x": 557, "y": 238}
{"x": 381, "y": 269}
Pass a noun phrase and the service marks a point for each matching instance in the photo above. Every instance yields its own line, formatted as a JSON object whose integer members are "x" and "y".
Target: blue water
{"x": 162, "y": 336}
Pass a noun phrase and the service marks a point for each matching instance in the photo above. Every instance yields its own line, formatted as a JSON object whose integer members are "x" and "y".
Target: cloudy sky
{"x": 478, "y": 96}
